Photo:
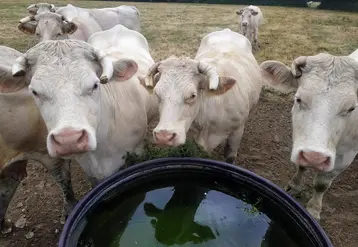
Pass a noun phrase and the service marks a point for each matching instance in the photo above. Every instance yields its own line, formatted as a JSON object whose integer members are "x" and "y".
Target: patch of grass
{"x": 189, "y": 149}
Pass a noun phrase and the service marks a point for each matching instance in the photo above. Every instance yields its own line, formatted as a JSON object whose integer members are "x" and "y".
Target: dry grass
{"x": 178, "y": 28}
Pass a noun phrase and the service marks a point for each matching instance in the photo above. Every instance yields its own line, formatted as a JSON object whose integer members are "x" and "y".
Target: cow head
{"x": 65, "y": 82}
{"x": 324, "y": 104}
{"x": 245, "y": 17}
{"x": 47, "y": 26}
{"x": 180, "y": 85}
{"x": 38, "y": 8}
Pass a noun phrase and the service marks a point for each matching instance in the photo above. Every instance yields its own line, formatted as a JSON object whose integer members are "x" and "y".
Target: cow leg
{"x": 323, "y": 181}
{"x": 60, "y": 171}
{"x": 10, "y": 179}
{"x": 295, "y": 186}
{"x": 62, "y": 174}
{"x": 256, "y": 31}
{"x": 233, "y": 145}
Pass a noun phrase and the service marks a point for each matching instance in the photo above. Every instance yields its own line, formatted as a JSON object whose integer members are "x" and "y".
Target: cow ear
{"x": 28, "y": 27}
{"x": 124, "y": 69}
{"x": 10, "y": 83}
{"x": 69, "y": 27}
{"x": 225, "y": 84}
{"x": 278, "y": 76}
{"x": 239, "y": 12}
{"x": 32, "y": 9}
{"x": 253, "y": 12}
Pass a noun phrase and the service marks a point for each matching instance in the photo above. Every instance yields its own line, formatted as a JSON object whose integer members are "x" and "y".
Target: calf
{"x": 52, "y": 26}
{"x": 324, "y": 117}
{"x": 93, "y": 123}
{"x": 211, "y": 95}
{"x": 250, "y": 19}
{"x": 22, "y": 137}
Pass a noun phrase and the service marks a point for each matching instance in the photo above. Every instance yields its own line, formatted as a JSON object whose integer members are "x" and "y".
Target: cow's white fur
{"x": 107, "y": 18}
{"x": 114, "y": 116}
{"x": 213, "y": 119}
{"x": 253, "y": 16}
{"x": 52, "y": 26}
{"x": 324, "y": 115}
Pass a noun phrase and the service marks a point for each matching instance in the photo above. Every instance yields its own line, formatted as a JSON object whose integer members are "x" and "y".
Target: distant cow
{"x": 23, "y": 137}
{"x": 93, "y": 123}
{"x": 106, "y": 18}
{"x": 324, "y": 117}
{"x": 211, "y": 95}
{"x": 52, "y": 26}
{"x": 250, "y": 19}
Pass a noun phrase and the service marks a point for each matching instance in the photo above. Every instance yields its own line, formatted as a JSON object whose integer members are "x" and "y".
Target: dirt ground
{"x": 266, "y": 144}
{"x": 265, "y": 150}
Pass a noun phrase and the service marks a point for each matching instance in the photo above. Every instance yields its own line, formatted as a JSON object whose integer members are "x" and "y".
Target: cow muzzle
{"x": 165, "y": 138}
{"x": 319, "y": 161}
{"x": 69, "y": 141}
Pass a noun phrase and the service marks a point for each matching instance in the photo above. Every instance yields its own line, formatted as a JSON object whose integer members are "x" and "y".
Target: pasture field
{"x": 176, "y": 29}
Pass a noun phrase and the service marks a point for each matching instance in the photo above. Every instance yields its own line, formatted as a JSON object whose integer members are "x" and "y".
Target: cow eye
{"x": 34, "y": 93}
{"x": 351, "y": 109}
{"x": 191, "y": 98}
{"x": 95, "y": 86}
{"x": 298, "y": 100}
{"x": 37, "y": 34}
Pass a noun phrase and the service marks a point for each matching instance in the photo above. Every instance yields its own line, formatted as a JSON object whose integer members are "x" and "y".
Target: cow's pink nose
{"x": 164, "y": 137}
{"x": 69, "y": 141}
{"x": 314, "y": 158}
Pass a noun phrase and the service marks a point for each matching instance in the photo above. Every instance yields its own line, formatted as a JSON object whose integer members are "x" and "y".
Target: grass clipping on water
{"x": 189, "y": 149}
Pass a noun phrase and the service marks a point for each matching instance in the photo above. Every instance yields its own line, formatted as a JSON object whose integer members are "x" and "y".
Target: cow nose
{"x": 244, "y": 24}
{"x": 164, "y": 137}
{"x": 70, "y": 141}
{"x": 314, "y": 158}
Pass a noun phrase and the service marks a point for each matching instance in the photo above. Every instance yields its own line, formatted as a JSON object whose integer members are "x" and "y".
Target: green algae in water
{"x": 183, "y": 215}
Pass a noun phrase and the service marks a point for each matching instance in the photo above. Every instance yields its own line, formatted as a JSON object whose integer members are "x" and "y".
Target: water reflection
{"x": 183, "y": 215}
{"x": 175, "y": 225}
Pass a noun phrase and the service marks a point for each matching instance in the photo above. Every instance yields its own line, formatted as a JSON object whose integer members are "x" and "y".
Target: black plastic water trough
{"x": 213, "y": 204}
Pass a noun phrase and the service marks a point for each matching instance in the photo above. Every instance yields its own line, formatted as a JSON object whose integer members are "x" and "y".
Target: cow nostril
{"x": 54, "y": 140}
{"x": 172, "y": 137}
{"x": 82, "y": 137}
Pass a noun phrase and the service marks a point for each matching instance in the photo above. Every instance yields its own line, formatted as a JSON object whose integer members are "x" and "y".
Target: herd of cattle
{"x": 88, "y": 90}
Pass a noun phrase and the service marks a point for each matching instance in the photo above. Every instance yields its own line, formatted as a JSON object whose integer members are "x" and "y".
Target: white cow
{"x": 211, "y": 95}
{"x": 22, "y": 137}
{"x": 94, "y": 124}
{"x": 250, "y": 19}
{"x": 107, "y": 18}
{"x": 324, "y": 117}
{"x": 53, "y": 26}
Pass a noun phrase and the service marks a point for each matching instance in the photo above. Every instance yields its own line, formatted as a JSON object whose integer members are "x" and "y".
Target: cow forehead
{"x": 59, "y": 52}
{"x": 328, "y": 73}
{"x": 177, "y": 76}
{"x": 76, "y": 73}
{"x": 178, "y": 64}
{"x": 246, "y": 11}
